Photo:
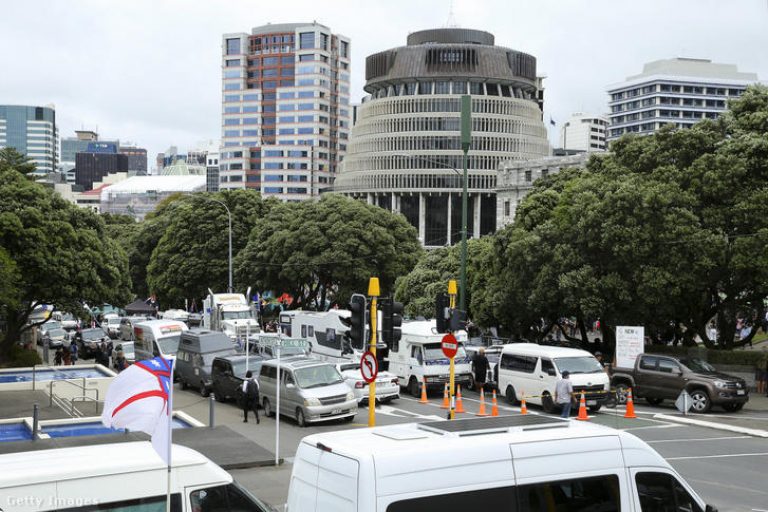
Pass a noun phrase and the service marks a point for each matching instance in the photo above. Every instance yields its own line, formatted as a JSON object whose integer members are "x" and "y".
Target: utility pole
{"x": 466, "y": 140}
{"x": 373, "y": 293}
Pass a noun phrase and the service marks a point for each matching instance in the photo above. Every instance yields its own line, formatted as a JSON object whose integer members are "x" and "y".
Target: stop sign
{"x": 449, "y": 345}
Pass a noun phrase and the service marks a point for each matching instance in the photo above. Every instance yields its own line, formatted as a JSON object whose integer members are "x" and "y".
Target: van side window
{"x": 221, "y": 498}
{"x": 137, "y": 505}
{"x": 288, "y": 378}
{"x": 303, "y": 331}
{"x": 525, "y": 364}
{"x": 661, "y": 492}
{"x": 501, "y": 499}
{"x": 547, "y": 367}
{"x": 416, "y": 353}
{"x": 648, "y": 363}
{"x": 667, "y": 366}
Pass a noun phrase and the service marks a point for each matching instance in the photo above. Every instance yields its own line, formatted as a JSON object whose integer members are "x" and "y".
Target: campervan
{"x": 418, "y": 357}
{"x": 157, "y": 337}
{"x": 197, "y": 350}
{"x": 118, "y": 476}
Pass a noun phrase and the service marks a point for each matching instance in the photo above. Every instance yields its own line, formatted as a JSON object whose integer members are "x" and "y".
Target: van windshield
{"x": 585, "y": 364}
{"x": 434, "y": 352}
{"x": 317, "y": 376}
{"x": 237, "y": 315}
{"x": 169, "y": 344}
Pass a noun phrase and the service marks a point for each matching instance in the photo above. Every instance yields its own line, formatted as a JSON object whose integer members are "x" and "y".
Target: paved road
{"x": 727, "y": 469}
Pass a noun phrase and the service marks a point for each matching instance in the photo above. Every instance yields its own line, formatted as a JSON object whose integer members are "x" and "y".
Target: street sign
{"x": 369, "y": 367}
{"x": 449, "y": 345}
{"x": 684, "y": 402}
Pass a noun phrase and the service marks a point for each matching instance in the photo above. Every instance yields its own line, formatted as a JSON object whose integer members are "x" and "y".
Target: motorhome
{"x": 197, "y": 350}
{"x": 520, "y": 462}
{"x": 157, "y": 337}
{"x": 230, "y": 313}
{"x": 418, "y": 357}
{"x": 118, "y": 476}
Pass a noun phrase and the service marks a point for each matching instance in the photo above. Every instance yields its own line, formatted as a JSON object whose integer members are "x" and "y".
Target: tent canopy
{"x": 139, "y": 307}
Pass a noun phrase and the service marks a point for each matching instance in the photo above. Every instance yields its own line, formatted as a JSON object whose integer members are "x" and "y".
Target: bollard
{"x": 211, "y": 406}
{"x": 35, "y": 420}
{"x": 34, "y": 377}
{"x": 46, "y": 350}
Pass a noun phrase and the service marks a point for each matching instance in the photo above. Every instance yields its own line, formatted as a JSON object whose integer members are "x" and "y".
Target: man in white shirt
{"x": 564, "y": 394}
{"x": 250, "y": 397}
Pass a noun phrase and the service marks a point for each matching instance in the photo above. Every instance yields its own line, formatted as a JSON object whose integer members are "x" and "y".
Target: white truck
{"x": 230, "y": 313}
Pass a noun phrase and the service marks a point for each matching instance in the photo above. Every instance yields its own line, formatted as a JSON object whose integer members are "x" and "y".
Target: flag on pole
{"x": 140, "y": 398}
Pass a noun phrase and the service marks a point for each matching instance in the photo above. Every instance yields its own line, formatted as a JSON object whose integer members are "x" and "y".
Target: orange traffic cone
{"x": 495, "y": 405}
{"x": 423, "y": 399}
{"x": 459, "y": 403}
{"x": 482, "y": 412}
{"x": 582, "y": 409}
{"x": 523, "y": 408}
{"x": 446, "y": 400}
{"x": 630, "y": 413}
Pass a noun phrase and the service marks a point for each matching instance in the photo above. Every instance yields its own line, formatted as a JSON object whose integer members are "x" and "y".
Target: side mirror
{"x": 289, "y": 386}
{"x": 710, "y": 508}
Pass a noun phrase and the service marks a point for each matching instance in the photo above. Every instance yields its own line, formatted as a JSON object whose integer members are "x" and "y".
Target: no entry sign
{"x": 369, "y": 367}
{"x": 449, "y": 345}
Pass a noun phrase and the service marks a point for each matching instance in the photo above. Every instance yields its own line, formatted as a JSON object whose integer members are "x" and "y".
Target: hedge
{"x": 742, "y": 357}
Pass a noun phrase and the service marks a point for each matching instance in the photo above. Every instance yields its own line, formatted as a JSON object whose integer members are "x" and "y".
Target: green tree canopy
{"x": 191, "y": 247}
{"x": 329, "y": 248}
{"x": 10, "y": 158}
{"x": 55, "y": 253}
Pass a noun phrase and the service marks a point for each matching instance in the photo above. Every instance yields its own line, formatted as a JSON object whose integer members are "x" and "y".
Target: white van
{"x": 418, "y": 355}
{"x": 507, "y": 463}
{"x": 157, "y": 337}
{"x": 533, "y": 370}
{"x": 119, "y": 476}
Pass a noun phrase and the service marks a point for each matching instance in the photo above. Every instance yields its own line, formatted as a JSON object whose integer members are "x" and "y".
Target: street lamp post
{"x": 466, "y": 140}
{"x": 230, "y": 289}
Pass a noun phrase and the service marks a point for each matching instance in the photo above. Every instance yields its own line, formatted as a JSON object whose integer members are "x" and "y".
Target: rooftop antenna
{"x": 451, "y": 23}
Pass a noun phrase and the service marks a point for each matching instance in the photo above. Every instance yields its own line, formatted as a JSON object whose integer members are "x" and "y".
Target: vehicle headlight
{"x": 350, "y": 396}
{"x": 312, "y": 402}
{"x": 720, "y": 384}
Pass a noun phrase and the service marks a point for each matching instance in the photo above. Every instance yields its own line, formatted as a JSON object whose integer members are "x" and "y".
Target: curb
{"x": 712, "y": 424}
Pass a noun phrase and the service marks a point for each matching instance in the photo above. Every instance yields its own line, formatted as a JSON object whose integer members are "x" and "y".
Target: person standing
{"x": 564, "y": 393}
{"x": 480, "y": 364}
{"x": 250, "y": 397}
{"x": 73, "y": 352}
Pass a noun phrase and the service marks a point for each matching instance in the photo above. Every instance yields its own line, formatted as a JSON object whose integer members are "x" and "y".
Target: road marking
{"x": 388, "y": 410}
{"x": 711, "y": 424}
{"x": 719, "y": 456}
{"x": 663, "y": 425}
{"x": 487, "y": 403}
{"x": 700, "y": 439}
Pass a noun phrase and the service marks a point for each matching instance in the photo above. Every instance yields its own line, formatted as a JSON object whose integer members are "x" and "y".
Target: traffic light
{"x": 458, "y": 320}
{"x": 442, "y": 303}
{"x": 391, "y": 320}
{"x": 357, "y": 321}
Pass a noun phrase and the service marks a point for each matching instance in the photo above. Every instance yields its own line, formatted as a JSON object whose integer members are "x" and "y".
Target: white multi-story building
{"x": 285, "y": 109}
{"x": 584, "y": 132}
{"x": 677, "y": 91}
{"x": 31, "y": 131}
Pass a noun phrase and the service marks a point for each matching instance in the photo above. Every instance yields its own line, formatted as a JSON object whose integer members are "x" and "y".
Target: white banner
{"x": 630, "y": 342}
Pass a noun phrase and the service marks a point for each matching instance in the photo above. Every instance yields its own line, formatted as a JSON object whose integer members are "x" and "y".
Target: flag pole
{"x": 170, "y": 433}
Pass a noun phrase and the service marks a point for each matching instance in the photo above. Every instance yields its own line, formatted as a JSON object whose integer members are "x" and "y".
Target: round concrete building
{"x": 405, "y": 153}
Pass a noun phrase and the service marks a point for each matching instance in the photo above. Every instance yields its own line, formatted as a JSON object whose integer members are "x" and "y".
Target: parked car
{"x": 659, "y": 377}
{"x": 310, "y": 391}
{"x": 89, "y": 339}
{"x": 55, "y": 338}
{"x": 111, "y": 325}
{"x": 125, "y": 332}
{"x": 228, "y": 374}
{"x": 387, "y": 387}
{"x": 194, "y": 359}
{"x": 44, "y": 329}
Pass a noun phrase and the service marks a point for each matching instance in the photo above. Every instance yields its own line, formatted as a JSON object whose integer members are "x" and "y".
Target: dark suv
{"x": 228, "y": 374}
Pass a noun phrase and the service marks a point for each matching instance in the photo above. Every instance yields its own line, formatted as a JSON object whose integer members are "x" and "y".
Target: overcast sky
{"x": 148, "y": 71}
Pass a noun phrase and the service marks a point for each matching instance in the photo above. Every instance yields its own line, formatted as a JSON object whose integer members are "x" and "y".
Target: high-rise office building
{"x": 285, "y": 109}
{"x": 32, "y": 132}
{"x": 137, "y": 159}
{"x": 405, "y": 152}
{"x": 92, "y": 166}
{"x": 584, "y": 132}
{"x": 677, "y": 91}
{"x": 71, "y": 146}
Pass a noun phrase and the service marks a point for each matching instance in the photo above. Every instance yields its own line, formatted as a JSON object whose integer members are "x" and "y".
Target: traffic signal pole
{"x": 373, "y": 293}
{"x": 452, "y": 384}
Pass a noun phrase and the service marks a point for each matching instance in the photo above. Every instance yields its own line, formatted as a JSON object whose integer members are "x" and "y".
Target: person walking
{"x": 564, "y": 393}
{"x": 250, "y": 397}
{"x": 480, "y": 364}
{"x": 72, "y": 353}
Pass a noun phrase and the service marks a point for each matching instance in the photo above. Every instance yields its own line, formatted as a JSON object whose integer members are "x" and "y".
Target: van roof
{"x": 426, "y": 328}
{"x": 462, "y": 438}
{"x": 28, "y": 468}
{"x": 296, "y": 362}
{"x": 543, "y": 350}
{"x": 160, "y": 323}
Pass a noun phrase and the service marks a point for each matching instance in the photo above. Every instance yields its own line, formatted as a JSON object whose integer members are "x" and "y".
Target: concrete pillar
{"x": 422, "y": 219}
{"x": 450, "y": 197}
{"x": 476, "y": 216}
{"x": 395, "y": 203}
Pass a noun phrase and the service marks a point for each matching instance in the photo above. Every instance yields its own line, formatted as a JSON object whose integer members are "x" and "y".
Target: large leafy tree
{"x": 191, "y": 243}
{"x": 327, "y": 250}
{"x": 53, "y": 253}
{"x": 10, "y": 158}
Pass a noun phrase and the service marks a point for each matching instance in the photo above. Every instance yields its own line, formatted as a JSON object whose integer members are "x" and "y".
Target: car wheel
{"x": 267, "y": 408}
{"x": 300, "y": 419}
{"x": 701, "y": 401}
{"x": 594, "y": 408}
{"x": 511, "y": 395}
{"x": 622, "y": 390}
{"x": 733, "y": 407}
{"x": 204, "y": 391}
{"x": 413, "y": 387}
{"x": 548, "y": 404}
{"x": 653, "y": 401}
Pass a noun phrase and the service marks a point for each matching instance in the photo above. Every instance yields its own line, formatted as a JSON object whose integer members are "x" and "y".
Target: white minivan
{"x": 120, "y": 476}
{"x": 533, "y": 370}
{"x": 508, "y": 463}
{"x": 157, "y": 337}
{"x": 418, "y": 355}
